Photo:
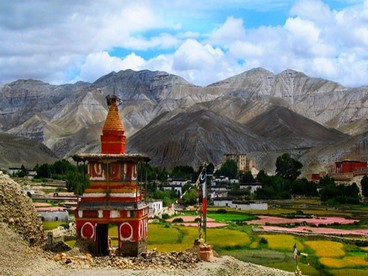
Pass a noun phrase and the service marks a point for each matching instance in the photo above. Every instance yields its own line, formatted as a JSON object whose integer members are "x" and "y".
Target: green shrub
{"x": 165, "y": 216}
{"x": 65, "y": 225}
{"x": 263, "y": 241}
{"x": 221, "y": 211}
{"x": 178, "y": 220}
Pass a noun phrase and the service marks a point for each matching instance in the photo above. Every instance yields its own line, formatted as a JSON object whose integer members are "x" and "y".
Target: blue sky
{"x": 202, "y": 41}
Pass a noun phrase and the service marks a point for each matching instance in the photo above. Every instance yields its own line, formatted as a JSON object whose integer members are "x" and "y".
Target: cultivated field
{"x": 267, "y": 237}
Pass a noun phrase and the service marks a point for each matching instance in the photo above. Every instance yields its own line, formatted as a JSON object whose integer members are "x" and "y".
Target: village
{"x": 54, "y": 203}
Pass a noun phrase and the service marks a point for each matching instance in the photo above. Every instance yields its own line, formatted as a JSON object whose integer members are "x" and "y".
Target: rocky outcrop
{"x": 18, "y": 212}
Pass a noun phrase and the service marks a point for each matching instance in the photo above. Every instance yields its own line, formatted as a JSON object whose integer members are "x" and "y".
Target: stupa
{"x": 114, "y": 196}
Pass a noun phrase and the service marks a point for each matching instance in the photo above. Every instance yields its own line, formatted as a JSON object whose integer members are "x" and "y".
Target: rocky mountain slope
{"x": 262, "y": 108}
{"x": 193, "y": 136}
{"x": 16, "y": 151}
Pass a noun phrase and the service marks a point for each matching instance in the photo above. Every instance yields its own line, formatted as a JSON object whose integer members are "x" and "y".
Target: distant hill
{"x": 194, "y": 136}
{"x": 281, "y": 124}
{"x": 16, "y": 151}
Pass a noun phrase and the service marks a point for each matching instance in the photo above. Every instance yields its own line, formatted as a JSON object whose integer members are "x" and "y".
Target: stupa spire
{"x": 113, "y": 138}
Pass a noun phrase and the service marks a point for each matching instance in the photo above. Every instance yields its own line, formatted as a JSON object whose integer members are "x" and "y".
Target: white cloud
{"x": 231, "y": 31}
{"x": 312, "y": 10}
{"x": 101, "y": 63}
{"x": 193, "y": 55}
{"x": 52, "y": 41}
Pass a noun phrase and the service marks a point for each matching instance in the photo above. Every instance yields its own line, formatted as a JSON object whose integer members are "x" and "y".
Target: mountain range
{"x": 175, "y": 122}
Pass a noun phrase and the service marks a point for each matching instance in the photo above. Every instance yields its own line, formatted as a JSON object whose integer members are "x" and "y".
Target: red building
{"x": 348, "y": 166}
{"x": 114, "y": 196}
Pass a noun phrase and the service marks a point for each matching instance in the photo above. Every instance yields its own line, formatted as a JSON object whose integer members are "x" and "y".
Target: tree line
{"x": 74, "y": 176}
{"x": 283, "y": 185}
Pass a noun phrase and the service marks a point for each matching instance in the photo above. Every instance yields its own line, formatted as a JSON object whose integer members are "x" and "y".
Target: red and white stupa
{"x": 114, "y": 196}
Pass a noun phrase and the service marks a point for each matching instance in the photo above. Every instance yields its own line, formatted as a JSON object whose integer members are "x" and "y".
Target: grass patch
{"x": 291, "y": 267}
{"x": 171, "y": 239}
{"x": 159, "y": 234}
{"x": 230, "y": 217}
{"x": 261, "y": 257}
{"x": 357, "y": 253}
{"x": 70, "y": 243}
{"x": 344, "y": 272}
{"x": 282, "y": 242}
{"x": 226, "y": 238}
{"x": 327, "y": 248}
{"x": 113, "y": 230}
{"x": 49, "y": 225}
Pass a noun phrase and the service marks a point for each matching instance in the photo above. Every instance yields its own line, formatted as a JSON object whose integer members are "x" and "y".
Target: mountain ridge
{"x": 67, "y": 117}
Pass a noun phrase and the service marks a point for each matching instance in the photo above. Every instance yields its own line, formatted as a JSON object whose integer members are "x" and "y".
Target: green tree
{"x": 76, "y": 182}
{"x": 364, "y": 184}
{"x": 229, "y": 169}
{"x": 274, "y": 187}
{"x": 61, "y": 167}
{"x": 326, "y": 180}
{"x": 164, "y": 195}
{"x": 340, "y": 193}
{"x": 184, "y": 172}
{"x": 287, "y": 167}
{"x": 247, "y": 177}
{"x": 261, "y": 175}
{"x": 43, "y": 171}
{"x": 210, "y": 168}
{"x": 23, "y": 172}
{"x": 304, "y": 187}
{"x": 190, "y": 197}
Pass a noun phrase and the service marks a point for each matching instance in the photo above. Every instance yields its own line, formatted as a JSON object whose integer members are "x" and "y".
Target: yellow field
{"x": 326, "y": 248}
{"x": 349, "y": 261}
{"x": 282, "y": 242}
{"x": 226, "y": 237}
{"x": 166, "y": 239}
{"x": 254, "y": 245}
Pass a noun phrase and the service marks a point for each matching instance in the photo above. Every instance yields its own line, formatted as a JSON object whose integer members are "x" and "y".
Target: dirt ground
{"x": 22, "y": 238}
{"x": 17, "y": 258}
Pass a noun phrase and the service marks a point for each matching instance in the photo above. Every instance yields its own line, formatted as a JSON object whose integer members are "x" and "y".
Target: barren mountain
{"x": 16, "y": 151}
{"x": 323, "y": 101}
{"x": 195, "y": 136}
{"x": 281, "y": 124}
{"x": 256, "y": 103}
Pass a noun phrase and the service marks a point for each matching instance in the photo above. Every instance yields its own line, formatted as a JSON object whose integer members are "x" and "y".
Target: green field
{"x": 321, "y": 256}
{"x": 48, "y": 225}
{"x": 231, "y": 217}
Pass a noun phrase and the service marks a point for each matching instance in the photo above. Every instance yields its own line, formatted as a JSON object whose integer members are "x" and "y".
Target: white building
{"x": 228, "y": 202}
{"x": 177, "y": 188}
{"x": 155, "y": 207}
{"x": 53, "y": 214}
{"x": 251, "y": 186}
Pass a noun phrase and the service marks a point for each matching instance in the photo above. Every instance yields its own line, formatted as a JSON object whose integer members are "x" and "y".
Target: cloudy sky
{"x": 203, "y": 41}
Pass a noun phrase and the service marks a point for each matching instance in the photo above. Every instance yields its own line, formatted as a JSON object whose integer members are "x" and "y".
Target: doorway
{"x": 102, "y": 240}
